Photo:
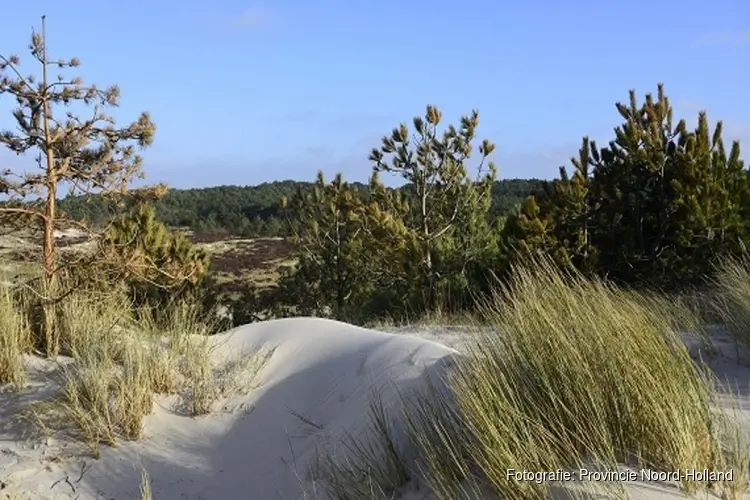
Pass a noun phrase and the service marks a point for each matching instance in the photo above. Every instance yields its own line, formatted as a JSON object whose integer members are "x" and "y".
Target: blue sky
{"x": 247, "y": 92}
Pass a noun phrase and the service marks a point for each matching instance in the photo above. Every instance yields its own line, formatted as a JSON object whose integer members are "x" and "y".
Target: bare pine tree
{"x": 82, "y": 153}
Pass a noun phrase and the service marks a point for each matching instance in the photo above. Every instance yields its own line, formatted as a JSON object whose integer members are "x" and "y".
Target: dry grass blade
{"x": 367, "y": 467}
{"x": 145, "y": 486}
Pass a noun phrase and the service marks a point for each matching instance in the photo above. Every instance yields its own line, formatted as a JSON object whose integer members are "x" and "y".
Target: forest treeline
{"x": 253, "y": 211}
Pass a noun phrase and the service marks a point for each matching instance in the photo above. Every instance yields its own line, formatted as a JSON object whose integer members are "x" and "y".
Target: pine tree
{"x": 388, "y": 249}
{"x": 83, "y": 154}
{"x": 656, "y": 206}
{"x": 158, "y": 264}
{"x": 672, "y": 200}
{"x": 445, "y": 196}
{"x": 529, "y": 231}
{"x": 711, "y": 200}
{"x": 633, "y": 183}
{"x": 327, "y": 225}
{"x": 571, "y": 208}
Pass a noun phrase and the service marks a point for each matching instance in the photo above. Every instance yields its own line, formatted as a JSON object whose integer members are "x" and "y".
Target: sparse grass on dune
{"x": 373, "y": 468}
{"x": 730, "y": 302}
{"x": 120, "y": 358}
{"x": 731, "y": 299}
{"x": 15, "y": 340}
{"x": 87, "y": 319}
{"x": 734, "y": 452}
{"x": 580, "y": 374}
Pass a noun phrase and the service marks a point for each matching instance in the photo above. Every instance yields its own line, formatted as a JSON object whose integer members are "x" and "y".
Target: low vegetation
{"x": 581, "y": 375}
{"x": 731, "y": 290}
{"x": 15, "y": 339}
{"x": 117, "y": 359}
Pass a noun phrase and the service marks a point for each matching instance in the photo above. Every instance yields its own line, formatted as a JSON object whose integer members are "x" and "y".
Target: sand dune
{"x": 314, "y": 390}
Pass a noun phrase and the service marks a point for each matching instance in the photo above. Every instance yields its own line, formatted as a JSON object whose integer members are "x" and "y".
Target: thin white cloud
{"x": 250, "y": 19}
{"x": 253, "y": 18}
{"x": 728, "y": 38}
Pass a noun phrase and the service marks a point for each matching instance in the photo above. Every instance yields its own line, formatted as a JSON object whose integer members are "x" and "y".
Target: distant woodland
{"x": 255, "y": 211}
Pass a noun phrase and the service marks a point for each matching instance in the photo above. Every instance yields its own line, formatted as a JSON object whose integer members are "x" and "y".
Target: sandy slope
{"x": 249, "y": 448}
{"x": 255, "y": 446}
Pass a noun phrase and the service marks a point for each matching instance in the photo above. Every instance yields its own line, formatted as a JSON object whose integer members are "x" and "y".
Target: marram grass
{"x": 573, "y": 373}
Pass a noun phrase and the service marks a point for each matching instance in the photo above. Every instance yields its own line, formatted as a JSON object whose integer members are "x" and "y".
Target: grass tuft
{"x": 15, "y": 339}
{"x": 581, "y": 372}
{"x": 731, "y": 300}
{"x": 118, "y": 359}
{"x": 369, "y": 467}
{"x": 573, "y": 373}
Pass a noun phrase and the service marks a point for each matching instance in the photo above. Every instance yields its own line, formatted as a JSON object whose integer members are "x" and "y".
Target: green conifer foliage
{"x": 327, "y": 225}
{"x": 159, "y": 264}
{"x": 528, "y": 231}
{"x": 657, "y": 206}
{"x": 571, "y": 208}
{"x": 354, "y": 251}
{"x": 449, "y": 206}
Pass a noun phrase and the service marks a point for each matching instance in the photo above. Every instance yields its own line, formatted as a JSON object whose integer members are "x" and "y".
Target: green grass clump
{"x": 581, "y": 372}
{"x": 369, "y": 468}
{"x": 575, "y": 373}
{"x": 731, "y": 299}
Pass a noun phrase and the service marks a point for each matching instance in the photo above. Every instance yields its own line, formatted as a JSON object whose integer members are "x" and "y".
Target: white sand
{"x": 253, "y": 446}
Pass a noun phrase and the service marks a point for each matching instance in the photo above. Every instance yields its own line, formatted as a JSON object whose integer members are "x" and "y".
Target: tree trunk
{"x": 49, "y": 229}
{"x": 48, "y": 250}
{"x": 429, "y": 271}
{"x": 50, "y": 263}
